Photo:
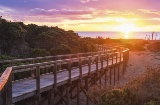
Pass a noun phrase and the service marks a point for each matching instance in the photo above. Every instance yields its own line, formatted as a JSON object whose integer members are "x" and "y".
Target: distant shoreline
{"x": 116, "y": 35}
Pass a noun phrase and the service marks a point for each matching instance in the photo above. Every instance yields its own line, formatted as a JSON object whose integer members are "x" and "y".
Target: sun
{"x": 127, "y": 29}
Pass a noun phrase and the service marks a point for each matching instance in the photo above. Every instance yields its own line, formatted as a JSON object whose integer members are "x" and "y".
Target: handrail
{"x": 6, "y": 87}
{"x": 6, "y": 78}
{"x": 47, "y": 64}
{"x": 48, "y": 57}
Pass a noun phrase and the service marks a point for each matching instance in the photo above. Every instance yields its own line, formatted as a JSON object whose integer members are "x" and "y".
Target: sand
{"x": 137, "y": 64}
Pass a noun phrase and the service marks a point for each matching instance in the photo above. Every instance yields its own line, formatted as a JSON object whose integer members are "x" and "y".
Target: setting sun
{"x": 127, "y": 29}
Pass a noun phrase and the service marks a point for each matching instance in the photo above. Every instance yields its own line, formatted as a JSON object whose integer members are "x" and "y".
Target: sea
{"x": 121, "y": 35}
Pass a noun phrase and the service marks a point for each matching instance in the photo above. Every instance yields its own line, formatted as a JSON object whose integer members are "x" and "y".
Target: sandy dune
{"x": 137, "y": 64}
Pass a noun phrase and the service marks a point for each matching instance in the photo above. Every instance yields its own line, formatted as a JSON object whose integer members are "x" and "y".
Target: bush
{"x": 5, "y": 57}
{"x": 136, "y": 47}
{"x": 154, "y": 47}
{"x": 4, "y": 66}
{"x": 61, "y": 49}
{"x": 36, "y": 52}
{"x": 143, "y": 90}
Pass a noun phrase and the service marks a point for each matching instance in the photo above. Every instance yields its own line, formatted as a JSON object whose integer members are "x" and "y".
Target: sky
{"x": 86, "y": 15}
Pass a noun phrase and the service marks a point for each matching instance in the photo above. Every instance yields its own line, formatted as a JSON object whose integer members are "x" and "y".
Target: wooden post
{"x": 9, "y": 90}
{"x": 61, "y": 92}
{"x": 2, "y": 97}
{"x": 51, "y": 98}
{"x": 101, "y": 60}
{"x": 11, "y": 64}
{"x": 114, "y": 74}
{"x": 89, "y": 66}
{"x": 80, "y": 68}
{"x": 110, "y": 76}
{"x": 120, "y": 57}
{"x": 112, "y": 59}
{"x": 69, "y": 71}
{"x": 97, "y": 71}
{"x": 124, "y": 62}
{"x": 106, "y": 72}
{"x": 118, "y": 71}
{"x": 37, "y": 84}
{"x": 78, "y": 93}
{"x": 32, "y": 71}
{"x": 115, "y": 68}
{"x": 59, "y": 58}
{"x": 46, "y": 69}
{"x": 67, "y": 94}
{"x": 6, "y": 87}
{"x": 87, "y": 87}
{"x": 55, "y": 76}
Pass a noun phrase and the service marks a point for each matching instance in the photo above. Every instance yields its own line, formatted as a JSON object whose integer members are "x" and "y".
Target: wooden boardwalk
{"x": 50, "y": 75}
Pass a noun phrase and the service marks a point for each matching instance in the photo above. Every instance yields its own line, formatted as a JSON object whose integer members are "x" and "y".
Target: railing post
{"x": 32, "y": 71}
{"x": 118, "y": 64}
{"x": 78, "y": 93}
{"x": 111, "y": 71}
{"x": 97, "y": 64}
{"x": 59, "y": 58}
{"x": 124, "y": 61}
{"x": 106, "y": 70}
{"x": 101, "y": 71}
{"x": 46, "y": 69}
{"x": 9, "y": 90}
{"x": 115, "y": 69}
{"x": 87, "y": 88}
{"x": 51, "y": 97}
{"x": 6, "y": 87}
{"x": 6, "y": 93}
{"x": 102, "y": 62}
{"x": 69, "y": 71}
{"x": 37, "y": 84}
{"x": 80, "y": 68}
{"x": 55, "y": 75}
{"x": 11, "y": 64}
{"x": 89, "y": 66}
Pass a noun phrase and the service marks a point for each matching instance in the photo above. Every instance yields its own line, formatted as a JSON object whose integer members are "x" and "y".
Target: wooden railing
{"x": 6, "y": 87}
{"x": 53, "y": 66}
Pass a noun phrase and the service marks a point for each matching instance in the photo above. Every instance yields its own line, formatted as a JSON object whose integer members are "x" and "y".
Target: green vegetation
{"x": 21, "y": 41}
{"x": 136, "y": 45}
{"x": 143, "y": 90}
{"x": 154, "y": 46}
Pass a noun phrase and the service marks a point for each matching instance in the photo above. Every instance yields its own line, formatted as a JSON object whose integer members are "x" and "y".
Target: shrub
{"x": 138, "y": 47}
{"x": 143, "y": 90}
{"x": 5, "y": 57}
{"x": 154, "y": 47}
{"x": 135, "y": 47}
{"x": 36, "y": 52}
{"x": 61, "y": 49}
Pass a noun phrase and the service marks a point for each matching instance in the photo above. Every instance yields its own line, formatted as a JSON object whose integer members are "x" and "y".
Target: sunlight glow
{"x": 127, "y": 29}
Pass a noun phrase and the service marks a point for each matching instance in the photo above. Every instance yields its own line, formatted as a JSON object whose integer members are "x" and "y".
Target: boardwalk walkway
{"x": 48, "y": 76}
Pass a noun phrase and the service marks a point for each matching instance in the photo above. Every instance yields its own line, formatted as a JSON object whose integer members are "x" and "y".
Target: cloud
{"x": 85, "y": 1}
{"x": 4, "y": 10}
{"x": 153, "y": 11}
{"x": 39, "y": 11}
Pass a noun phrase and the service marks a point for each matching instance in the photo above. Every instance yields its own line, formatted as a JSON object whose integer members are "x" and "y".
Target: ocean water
{"x": 117, "y": 35}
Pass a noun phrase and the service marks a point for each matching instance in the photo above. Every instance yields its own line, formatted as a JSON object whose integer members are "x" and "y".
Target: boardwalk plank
{"x": 26, "y": 89}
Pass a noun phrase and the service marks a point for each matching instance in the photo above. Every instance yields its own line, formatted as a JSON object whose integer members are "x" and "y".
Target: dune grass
{"x": 143, "y": 90}
{"x": 155, "y": 47}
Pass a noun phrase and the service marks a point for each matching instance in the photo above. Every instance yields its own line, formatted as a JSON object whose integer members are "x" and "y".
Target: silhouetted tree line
{"x": 20, "y": 40}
